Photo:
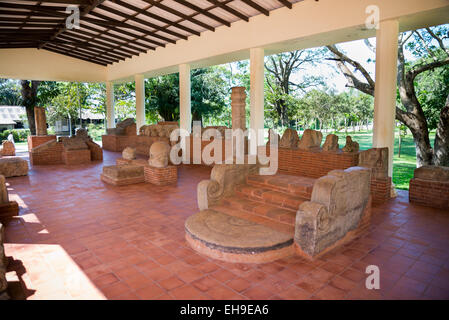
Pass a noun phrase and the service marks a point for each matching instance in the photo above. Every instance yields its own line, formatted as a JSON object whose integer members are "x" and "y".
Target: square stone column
{"x": 40, "y": 121}
{"x": 238, "y": 104}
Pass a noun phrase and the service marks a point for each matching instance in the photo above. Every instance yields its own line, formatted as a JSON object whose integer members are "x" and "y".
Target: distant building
{"x": 12, "y": 117}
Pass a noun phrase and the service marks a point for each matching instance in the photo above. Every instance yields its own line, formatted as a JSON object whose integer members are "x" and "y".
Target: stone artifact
{"x": 3, "y": 265}
{"x": 351, "y": 146}
{"x": 13, "y": 167}
{"x": 123, "y": 174}
{"x": 129, "y": 153}
{"x": 82, "y": 133}
{"x": 159, "y": 154}
{"x": 158, "y": 130}
{"x": 377, "y": 160}
{"x": 238, "y": 105}
{"x": 340, "y": 203}
{"x": 310, "y": 139}
{"x": 8, "y": 148}
{"x": 7, "y": 208}
{"x": 4, "y": 197}
{"x": 40, "y": 121}
{"x": 432, "y": 173}
{"x": 223, "y": 179}
{"x": 122, "y": 128}
{"x": 290, "y": 139}
{"x": 331, "y": 143}
{"x": 74, "y": 143}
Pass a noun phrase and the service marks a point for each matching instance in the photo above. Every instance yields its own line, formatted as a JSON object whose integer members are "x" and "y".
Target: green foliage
{"x": 20, "y": 135}
{"x": 10, "y": 92}
{"x": 95, "y": 131}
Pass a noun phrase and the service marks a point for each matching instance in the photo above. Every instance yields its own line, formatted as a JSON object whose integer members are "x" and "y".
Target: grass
{"x": 403, "y": 166}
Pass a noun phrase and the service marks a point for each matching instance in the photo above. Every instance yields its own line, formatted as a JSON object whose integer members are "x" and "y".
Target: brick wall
{"x": 96, "y": 153}
{"x": 143, "y": 144}
{"x": 50, "y": 153}
{"x": 314, "y": 164}
{"x": 76, "y": 156}
{"x": 161, "y": 176}
{"x": 34, "y": 141}
{"x": 380, "y": 189}
{"x": 429, "y": 193}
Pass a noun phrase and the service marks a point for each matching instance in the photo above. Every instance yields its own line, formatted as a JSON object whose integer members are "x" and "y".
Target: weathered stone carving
{"x": 73, "y": 143}
{"x": 377, "y": 160}
{"x": 13, "y": 167}
{"x": 158, "y": 130}
{"x": 159, "y": 154}
{"x": 238, "y": 104}
{"x": 290, "y": 139}
{"x": 40, "y": 121}
{"x": 331, "y": 143}
{"x": 3, "y": 265}
{"x": 223, "y": 179}
{"x": 8, "y": 148}
{"x": 337, "y": 205}
{"x": 129, "y": 153}
{"x": 432, "y": 173}
{"x": 310, "y": 139}
{"x": 82, "y": 133}
{"x": 122, "y": 128}
{"x": 273, "y": 135}
{"x": 351, "y": 146}
{"x": 4, "y": 197}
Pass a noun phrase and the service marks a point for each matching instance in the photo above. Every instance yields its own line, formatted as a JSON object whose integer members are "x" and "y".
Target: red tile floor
{"x": 77, "y": 238}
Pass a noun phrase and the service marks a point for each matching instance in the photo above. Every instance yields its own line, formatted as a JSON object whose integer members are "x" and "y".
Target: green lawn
{"x": 403, "y": 166}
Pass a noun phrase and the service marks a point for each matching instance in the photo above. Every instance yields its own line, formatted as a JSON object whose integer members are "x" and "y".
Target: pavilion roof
{"x": 113, "y": 30}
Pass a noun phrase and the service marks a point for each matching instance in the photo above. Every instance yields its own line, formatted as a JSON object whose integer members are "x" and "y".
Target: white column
{"x": 257, "y": 71}
{"x": 385, "y": 91}
{"x": 140, "y": 100}
{"x": 110, "y": 116}
{"x": 185, "y": 115}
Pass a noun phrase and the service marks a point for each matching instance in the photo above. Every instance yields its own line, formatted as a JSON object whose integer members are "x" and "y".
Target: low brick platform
{"x": 8, "y": 210}
{"x": 141, "y": 143}
{"x": 429, "y": 193}
{"x": 96, "y": 152}
{"x": 35, "y": 141}
{"x": 380, "y": 190}
{"x": 76, "y": 156}
{"x": 122, "y": 175}
{"x": 161, "y": 176}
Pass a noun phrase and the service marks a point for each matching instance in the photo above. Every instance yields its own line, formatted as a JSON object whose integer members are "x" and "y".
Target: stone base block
{"x": 121, "y": 175}
{"x": 13, "y": 167}
{"x": 429, "y": 193}
{"x": 380, "y": 189}
{"x": 136, "y": 162}
{"x": 76, "y": 156}
{"x": 8, "y": 210}
{"x": 34, "y": 141}
{"x": 161, "y": 176}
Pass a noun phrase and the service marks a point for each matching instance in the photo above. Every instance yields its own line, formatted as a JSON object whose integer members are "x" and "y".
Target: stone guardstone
{"x": 13, "y": 167}
{"x": 129, "y": 153}
{"x": 8, "y": 148}
{"x": 331, "y": 143}
{"x": 290, "y": 139}
{"x": 351, "y": 146}
{"x": 310, "y": 139}
{"x": 432, "y": 173}
{"x": 159, "y": 154}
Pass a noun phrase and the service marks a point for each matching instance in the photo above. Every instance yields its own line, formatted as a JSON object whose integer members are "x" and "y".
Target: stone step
{"x": 257, "y": 218}
{"x": 269, "y": 196}
{"x": 275, "y": 213}
{"x": 299, "y": 186}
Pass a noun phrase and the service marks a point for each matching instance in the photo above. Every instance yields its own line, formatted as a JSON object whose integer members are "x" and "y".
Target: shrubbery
{"x": 20, "y": 135}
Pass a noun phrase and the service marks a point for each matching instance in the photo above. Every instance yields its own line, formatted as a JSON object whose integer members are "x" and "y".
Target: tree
{"x": 9, "y": 93}
{"x": 29, "y": 100}
{"x": 429, "y": 47}
{"x": 280, "y": 69}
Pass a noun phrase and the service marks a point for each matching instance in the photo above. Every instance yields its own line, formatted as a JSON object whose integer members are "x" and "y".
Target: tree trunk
{"x": 29, "y": 99}
{"x": 441, "y": 146}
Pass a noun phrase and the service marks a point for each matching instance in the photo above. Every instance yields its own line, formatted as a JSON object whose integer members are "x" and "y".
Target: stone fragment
{"x": 377, "y": 160}
{"x": 8, "y": 148}
{"x": 82, "y": 134}
{"x": 125, "y": 127}
{"x": 13, "y": 167}
{"x": 290, "y": 139}
{"x": 129, "y": 153}
{"x": 4, "y": 197}
{"x": 432, "y": 173}
{"x": 40, "y": 121}
{"x": 310, "y": 139}
{"x": 331, "y": 143}
{"x": 351, "y": 146}
{"x": 159, "y": 154}
{"x": 74, "y": 143}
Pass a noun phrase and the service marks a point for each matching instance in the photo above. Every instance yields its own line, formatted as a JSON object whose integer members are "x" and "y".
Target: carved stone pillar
{"x": 238, "y": 103}
{"x": 41, "y": 121}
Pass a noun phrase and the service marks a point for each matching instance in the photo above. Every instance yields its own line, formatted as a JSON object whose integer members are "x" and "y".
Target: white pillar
{"x": 110, "y": 116}
{"x": 385, "y": 91}
{"x": 140, "y": 100}
{"x": 257, "y": 70}
{"x": 185, "y": 115}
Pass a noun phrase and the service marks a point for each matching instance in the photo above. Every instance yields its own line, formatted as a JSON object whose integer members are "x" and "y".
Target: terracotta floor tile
{"x": 150, "y": 292}
{"x": 238, "y": 284}
{"x": 171, "y": 283}
{"x": 187, "y": 292}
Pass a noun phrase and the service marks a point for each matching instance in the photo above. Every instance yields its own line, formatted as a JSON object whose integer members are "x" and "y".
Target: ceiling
{"x": 114, "y": 30}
